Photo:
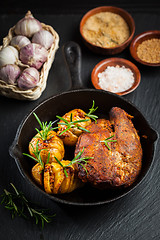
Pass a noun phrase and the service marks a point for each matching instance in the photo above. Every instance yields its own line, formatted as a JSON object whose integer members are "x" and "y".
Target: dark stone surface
{"x": 135, "y": 216}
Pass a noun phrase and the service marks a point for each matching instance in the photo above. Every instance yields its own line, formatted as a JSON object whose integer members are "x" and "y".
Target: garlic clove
{"x": 10, "y": 73}
{"x": 28, "y": 79}
{"x": 44, "y": 38}
{"x": 8, "y": 55}
{"x": 27, "y": 26}
{"x": 33, "y": 55}
{"x": 19, "y": 41}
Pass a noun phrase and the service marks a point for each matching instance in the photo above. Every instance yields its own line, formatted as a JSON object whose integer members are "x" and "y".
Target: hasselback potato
{"x": 52, "y": 145}
{"x": 77, "y": 120}
{"x": 55, "y": 180}
{"x": 37, "y": 173}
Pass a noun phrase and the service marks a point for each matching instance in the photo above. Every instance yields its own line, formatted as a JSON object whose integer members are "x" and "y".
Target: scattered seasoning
{"x": 106, "y": 29}
{"x": 116, "y": 79}
{"x": 149, "y": 50}
{"x": 144, "y": 136}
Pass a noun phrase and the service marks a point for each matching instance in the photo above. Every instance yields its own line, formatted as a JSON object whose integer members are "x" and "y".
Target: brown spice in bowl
{"x": 149, "y": 50}
{"x": 106, "y": 29}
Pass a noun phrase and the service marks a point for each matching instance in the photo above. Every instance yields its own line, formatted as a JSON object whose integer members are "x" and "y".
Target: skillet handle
{"x": 15, "y": 153}
{"x": 72, "y": 56}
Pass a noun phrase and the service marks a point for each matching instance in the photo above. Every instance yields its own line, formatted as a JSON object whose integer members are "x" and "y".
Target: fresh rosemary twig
{"x": 45, "y": 127}
{"x": 75, "y": 160}
{"x": 91, "y": 111}
{"x": 37, "y": 154}
{"x": 108, "y": 140}
{"x": 18, "y": 205}
{"x": 71, "y": 124}
{"x": 74, "y": 124}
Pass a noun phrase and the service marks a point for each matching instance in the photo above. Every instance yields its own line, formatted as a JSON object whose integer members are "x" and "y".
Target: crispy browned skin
{"x": 122, "y": 163}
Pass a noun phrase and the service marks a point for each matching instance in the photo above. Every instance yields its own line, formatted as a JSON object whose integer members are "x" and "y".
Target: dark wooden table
{"x": 135, "y": 216}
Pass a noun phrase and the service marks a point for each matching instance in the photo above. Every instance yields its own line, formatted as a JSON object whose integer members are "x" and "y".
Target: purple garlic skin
{"x": 9, "y": 73}
{"x": 44, "y": 38}
{"x": 33, "y": 55}
{"x": 19, "y": 41}
{"x": 27, "y": 26}
{"x": 28, "y": 79}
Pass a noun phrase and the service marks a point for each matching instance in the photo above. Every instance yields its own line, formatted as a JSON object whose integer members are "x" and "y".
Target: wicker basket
{"x": 12, "y": 91}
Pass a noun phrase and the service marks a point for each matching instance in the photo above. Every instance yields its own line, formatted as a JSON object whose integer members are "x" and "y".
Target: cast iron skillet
{"x": 80, "y": 98}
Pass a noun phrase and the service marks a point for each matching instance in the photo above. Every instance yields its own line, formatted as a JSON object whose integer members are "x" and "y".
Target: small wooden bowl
{"x": 113, "y": 50}
{"x": 138, "y": 40}
{"x": 101, "y": 66}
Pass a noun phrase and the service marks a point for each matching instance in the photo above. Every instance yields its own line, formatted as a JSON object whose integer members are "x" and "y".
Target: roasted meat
{"x": 116, "y": 150}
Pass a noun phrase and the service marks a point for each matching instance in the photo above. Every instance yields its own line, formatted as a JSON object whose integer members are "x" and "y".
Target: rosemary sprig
{"x": 18, "y": 205}
{"x": 76, "y": 159}
{"x": 91, "y": 111}
{"x": 71, "y": 124}
{"x": 74, "y": 124}
{"x": 108, "y": 140}
{"x": 45, "y": 127}
{"x": 37, "y": 154}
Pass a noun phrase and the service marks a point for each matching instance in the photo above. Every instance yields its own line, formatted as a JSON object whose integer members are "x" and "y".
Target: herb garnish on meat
{"x": 109, "y": 140}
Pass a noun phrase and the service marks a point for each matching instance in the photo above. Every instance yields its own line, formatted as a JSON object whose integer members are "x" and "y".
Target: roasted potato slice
{"x": 70, "y": 136}
{"x": 55, "y": 180}
{"x": 37, "y": 174}
{"x": 53, "y": 145}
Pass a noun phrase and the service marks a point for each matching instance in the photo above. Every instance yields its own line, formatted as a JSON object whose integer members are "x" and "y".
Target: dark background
{"x": 135, "y": 216}
{"x": 73, "y": 6}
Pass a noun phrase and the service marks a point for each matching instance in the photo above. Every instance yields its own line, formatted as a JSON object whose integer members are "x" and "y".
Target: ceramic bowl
{"x": 138, "y": 40}
{"x": 101, "y": 66}
{"x": 113, "y": 50}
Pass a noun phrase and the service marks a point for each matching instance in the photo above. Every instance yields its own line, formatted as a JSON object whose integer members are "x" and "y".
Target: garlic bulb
{"x": 19, "y": 41}
{"x": 8, "y": 55}
{"x": 33, "y": 55}
{"x": 10, "y": 73}
{"x": 28, "y": 79}
{"x": 27, "y": 26}
{"x": 44, "y": 38}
